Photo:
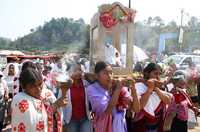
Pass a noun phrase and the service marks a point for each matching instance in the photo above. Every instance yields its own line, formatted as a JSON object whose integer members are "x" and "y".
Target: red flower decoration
{"x": 40, "y": 126}
{"x": 50, "y": 129}
{"x": 50, "y": 123}
{"x": 23, "y": 106}
{"x": 21, "y": 127}
{"x": 49, "y": 109}
{"x": 39, "y": 106}
{"x": 59, "y": 124}
{"x": 58, "y": 116}
{"x": 107, "y": 20}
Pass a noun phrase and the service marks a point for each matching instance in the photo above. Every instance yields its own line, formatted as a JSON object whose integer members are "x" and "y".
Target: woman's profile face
{"x": 105, "y": 76}
{"x": 35, "y": 89}
{"x": 155, "y": 74}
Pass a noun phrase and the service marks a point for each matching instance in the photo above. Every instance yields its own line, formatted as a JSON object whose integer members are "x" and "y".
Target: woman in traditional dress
{"x": 153, "y": 101}
{"x": 179, "y": 108}
{"x": 104, "y": 97}
{"x": 10, "y": 73}
{"x": 34, "y": 109}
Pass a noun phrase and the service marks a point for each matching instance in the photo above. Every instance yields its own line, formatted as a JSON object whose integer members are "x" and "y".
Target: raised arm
{"x": 145, "y": 97}
{"x": 135, "y": 104}
{"x": 164, "y": 96}
{"x": 113, "y": 102}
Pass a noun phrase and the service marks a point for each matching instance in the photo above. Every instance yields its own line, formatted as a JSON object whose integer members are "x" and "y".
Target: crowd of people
{"x": 32, "y": 99}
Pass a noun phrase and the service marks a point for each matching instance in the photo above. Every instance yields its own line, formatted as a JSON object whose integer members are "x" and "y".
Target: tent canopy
{"x": 9, "y": 52}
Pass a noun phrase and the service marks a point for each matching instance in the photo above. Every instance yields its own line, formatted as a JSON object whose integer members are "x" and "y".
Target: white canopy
{"x": 9, "y": 52}
{"x": 138, "y": 53}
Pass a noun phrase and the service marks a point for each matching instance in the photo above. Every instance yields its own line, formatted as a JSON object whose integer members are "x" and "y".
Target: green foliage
{"x": 57, "y": 34}
{"x": 4, "y": 43}
{"x": 65, "y": 34}
{"x": 147, "y": 34}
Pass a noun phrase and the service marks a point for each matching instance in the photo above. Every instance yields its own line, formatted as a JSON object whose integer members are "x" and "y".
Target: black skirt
{"x": 179, "y": 125}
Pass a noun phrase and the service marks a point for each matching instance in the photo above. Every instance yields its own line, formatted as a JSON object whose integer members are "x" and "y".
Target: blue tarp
{"x": 162, "y": 39}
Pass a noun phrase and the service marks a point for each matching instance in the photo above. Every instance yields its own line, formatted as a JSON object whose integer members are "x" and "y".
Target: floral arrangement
{"x": 124, "y": 99}
{"x": 110, "y": 15}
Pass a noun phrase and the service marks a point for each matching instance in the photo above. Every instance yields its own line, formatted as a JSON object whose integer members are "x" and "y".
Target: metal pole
{"x": 181, "y": 28}
{"x": 182, "y": 11}
{"x": 129, "y": 4}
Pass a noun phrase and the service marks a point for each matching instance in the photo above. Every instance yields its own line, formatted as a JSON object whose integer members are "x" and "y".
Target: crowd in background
{"x": 151, "y": 100}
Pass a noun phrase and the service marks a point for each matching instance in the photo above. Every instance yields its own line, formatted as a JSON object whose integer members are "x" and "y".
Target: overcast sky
{"x": 17, "y": 17}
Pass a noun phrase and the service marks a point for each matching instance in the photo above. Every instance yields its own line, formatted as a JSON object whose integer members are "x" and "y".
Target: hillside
{"x": 58, "y": 34}
{"x": 69, "y": 35}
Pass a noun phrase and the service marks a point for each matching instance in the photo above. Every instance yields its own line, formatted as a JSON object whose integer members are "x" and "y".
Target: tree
{"x": 67, "y": 34}
{"x": 4, "y": 43}
{"x": 56, "y": 34}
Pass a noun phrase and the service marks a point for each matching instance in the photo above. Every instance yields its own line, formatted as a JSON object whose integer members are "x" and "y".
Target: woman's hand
{"x": 196, "y": 110}
{"x": 131, "y": 84}
{"x": 135, "y": 106}
{"x": 151, "y": 85}
{"x": 117, "y": 84}
{"x": 61, "y": 102}
{"x": 145, "y": 97}
{"x": 164, "y": 96}
{"x": 64, "y": 86}
{"x": 130, "y": 81}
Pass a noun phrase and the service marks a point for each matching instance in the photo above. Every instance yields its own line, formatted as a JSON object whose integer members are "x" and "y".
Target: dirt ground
{"x": 197, "y": 129}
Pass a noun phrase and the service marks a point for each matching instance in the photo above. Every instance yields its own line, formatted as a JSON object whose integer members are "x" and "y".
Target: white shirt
{"x": 153, "y": 101}
{"x": 3, "y": 87}
{"x": 10, "y": 83}
{"x": 118, "y": 61}
{"x": 110, "y": 54}
{"x": 30, "y": 114}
